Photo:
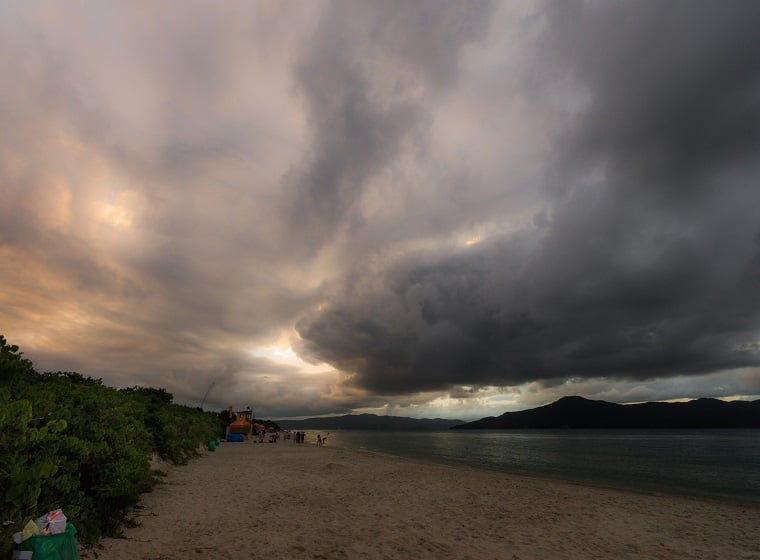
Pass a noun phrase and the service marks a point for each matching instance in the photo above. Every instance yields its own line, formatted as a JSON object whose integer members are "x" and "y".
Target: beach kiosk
{"x": 241, "y": 428}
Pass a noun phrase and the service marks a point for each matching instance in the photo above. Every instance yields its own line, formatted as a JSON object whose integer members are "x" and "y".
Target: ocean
{"x": 717, "y": 464}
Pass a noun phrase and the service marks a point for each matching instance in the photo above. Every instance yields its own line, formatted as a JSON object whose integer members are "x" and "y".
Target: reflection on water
{"x": 715, "y": 463}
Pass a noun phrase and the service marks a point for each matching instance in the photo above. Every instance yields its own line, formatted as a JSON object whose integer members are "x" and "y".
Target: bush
{"x": 68, "y": 441}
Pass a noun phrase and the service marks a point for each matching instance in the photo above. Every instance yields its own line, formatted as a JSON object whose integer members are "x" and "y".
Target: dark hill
{"x": 368, "y": 422}
{"x": 577, "y": 412}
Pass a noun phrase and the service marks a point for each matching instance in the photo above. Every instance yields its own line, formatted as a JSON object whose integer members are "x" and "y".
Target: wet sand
{"x": 288, "y": 501}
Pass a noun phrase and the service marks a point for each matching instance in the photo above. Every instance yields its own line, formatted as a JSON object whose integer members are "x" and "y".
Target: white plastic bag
{"x": 52, "y": 523}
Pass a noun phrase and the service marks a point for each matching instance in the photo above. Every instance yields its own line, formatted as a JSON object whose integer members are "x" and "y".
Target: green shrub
{"x": 68, "y": 441}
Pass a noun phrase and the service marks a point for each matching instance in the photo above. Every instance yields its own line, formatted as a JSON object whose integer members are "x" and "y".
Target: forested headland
{"x": 68, "y": 441}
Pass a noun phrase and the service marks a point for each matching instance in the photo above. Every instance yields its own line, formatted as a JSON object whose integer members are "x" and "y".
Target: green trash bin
{"x": 62, "y": 546}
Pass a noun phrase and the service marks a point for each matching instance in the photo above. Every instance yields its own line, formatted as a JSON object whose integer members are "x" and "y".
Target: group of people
{"x": 261, "y": 436}
{"x": 300, "y": 437}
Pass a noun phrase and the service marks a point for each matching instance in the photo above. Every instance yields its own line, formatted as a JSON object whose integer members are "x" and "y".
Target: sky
{"x": 428, "y": 209}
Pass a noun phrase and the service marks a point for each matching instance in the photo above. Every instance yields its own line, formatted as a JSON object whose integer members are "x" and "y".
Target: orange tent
{"x": 240, "y": 426}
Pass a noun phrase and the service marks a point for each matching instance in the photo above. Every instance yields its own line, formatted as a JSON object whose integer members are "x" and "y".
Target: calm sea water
{"x": 723, "y": 464}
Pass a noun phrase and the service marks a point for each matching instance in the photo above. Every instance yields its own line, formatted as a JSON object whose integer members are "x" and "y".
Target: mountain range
{"x": 369, "y": 422}
{"x": 567, "y": 412}
{"x": 578, "y": 412}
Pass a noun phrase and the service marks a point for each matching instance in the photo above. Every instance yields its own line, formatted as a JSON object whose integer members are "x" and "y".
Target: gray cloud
{"x": 443, "y": 201}
{"x": 647, "y": 265}
{"x": 672, "y": 90}
{"x": 366, "y": 88}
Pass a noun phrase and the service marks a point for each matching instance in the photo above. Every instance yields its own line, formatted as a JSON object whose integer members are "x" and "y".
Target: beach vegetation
{"x": 68, "y": 441}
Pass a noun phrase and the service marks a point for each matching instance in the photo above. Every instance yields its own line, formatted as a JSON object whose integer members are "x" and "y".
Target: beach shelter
{"x": 241, "y": 426}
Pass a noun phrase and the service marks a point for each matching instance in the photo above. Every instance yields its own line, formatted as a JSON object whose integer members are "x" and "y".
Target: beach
{"x": 289, "y": 501}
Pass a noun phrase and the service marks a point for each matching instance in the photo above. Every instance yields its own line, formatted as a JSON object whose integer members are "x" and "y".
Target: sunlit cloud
{"x": 117, "y": 214}
{"x": 427, "y": 208}
{"x": 286, "y": 356}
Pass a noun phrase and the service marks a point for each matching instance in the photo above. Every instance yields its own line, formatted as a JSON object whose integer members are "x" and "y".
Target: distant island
{"x": 577, "y": 412}
{"x": 567, "y": 412}
{"x": 369, "y": 422}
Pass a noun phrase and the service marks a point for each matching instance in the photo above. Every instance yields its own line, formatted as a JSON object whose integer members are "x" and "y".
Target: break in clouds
{"x": 428, "y": 200}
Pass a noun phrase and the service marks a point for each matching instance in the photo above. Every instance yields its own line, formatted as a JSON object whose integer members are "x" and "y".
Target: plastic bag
{"x": 29, "y": 530}
{"x": 52, "y": 523}
{"x": 62, "y": 546}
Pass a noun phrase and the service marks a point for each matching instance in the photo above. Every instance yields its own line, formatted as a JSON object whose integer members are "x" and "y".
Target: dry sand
{"x": 288, "y": 501}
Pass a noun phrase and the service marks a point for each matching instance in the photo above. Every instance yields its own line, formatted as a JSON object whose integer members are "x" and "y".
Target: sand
{"x": 288, "y": 501}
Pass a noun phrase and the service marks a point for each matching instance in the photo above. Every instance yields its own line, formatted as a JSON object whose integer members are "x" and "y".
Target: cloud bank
{"x": 423, "y": 208}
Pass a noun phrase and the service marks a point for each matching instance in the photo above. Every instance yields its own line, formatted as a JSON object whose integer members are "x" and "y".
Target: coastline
{"x": 280, "y": 501}
{"x": 703, "y": 464}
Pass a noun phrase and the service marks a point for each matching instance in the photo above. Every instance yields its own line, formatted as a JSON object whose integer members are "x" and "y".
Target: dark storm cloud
{"x": 672, "y": 89}
{"x": 366, "y": 87}
{"x": 644, "y": 262}
{"x": 442, "y": 196}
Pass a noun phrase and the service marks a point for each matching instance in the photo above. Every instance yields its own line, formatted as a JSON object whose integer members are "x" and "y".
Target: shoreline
{"x": 684, "y": 484}
{"x": 654, "y": 490}
{"x": 282, "y": 501}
